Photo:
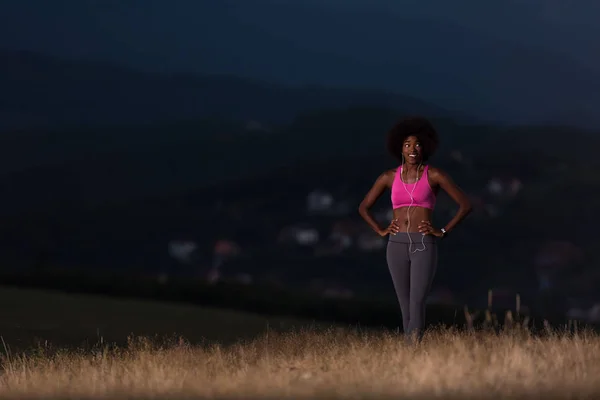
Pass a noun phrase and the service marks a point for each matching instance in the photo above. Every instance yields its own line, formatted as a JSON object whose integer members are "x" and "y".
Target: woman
{"x": 412, "y": 243}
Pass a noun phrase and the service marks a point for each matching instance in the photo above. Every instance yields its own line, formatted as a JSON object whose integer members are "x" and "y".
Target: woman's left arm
{"x": 445, "y": 182}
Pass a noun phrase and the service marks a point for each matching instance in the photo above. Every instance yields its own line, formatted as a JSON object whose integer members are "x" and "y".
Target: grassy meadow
{"x": 29, "y": 318}
{"x": 61, "y": 346}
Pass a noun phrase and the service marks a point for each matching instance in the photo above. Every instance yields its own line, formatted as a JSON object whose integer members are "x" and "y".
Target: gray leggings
{"x": 412, "y": 274}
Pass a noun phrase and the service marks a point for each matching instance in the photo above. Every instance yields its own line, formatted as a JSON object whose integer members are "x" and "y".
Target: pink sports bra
{"x": 421, "y": 192}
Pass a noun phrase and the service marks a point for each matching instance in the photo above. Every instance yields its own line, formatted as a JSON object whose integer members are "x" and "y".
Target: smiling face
{"x": 412, "y": 151}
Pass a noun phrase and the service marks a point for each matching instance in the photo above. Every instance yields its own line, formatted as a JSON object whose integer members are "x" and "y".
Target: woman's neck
{"x": 411, "y": 168}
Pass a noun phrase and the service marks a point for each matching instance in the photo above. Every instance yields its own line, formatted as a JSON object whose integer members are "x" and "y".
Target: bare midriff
{"x": 411, "y": 217}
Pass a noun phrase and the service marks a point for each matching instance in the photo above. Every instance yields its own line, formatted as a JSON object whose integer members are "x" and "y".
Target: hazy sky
{"x": 160, "y": 27}
{"x": 379, "y": 43}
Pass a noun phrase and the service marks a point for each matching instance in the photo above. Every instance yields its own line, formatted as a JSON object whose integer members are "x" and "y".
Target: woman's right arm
{"x": 380, "y": 185}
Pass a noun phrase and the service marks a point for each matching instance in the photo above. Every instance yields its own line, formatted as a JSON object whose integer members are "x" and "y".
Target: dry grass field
{"x": 294, "y": 363}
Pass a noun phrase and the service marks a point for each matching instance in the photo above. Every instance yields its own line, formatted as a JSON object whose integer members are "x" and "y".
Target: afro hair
{"x": 419, "y": 127}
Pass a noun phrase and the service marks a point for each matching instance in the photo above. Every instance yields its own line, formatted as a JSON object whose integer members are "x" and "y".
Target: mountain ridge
{"x": 451, "y": 61}
{"x": 55, "y": 92}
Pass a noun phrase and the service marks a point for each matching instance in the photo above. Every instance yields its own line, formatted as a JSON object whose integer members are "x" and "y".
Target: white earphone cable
{"x": 412, "y": 200}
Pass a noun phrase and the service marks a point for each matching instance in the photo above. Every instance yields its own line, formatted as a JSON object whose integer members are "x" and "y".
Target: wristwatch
{"x": 443, "y": 232}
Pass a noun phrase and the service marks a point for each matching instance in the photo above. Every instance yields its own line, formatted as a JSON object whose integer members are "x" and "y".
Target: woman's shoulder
{"x": 434, "y": 172}
{"x": 432, "y": 169}
{"x": 387, "y": 176}
{"x": 390, "y": 173}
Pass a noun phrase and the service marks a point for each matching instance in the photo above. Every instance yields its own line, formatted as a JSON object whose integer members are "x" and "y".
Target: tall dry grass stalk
{"x": 309, "y": 364}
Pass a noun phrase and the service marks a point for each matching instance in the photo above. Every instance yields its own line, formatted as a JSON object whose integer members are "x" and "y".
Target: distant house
{"x": 515, "y": 186}
{"x": 182, "y": 250}
{"x": 495, "y": 186}
{"x": 226, "y": 248}
{"x": 301, "y": 234}
{"x": 504, "y": 187}
{"x": 223, "y": 250}
{"x": 319, "y": 201}
{"x": 307, "y": 236}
